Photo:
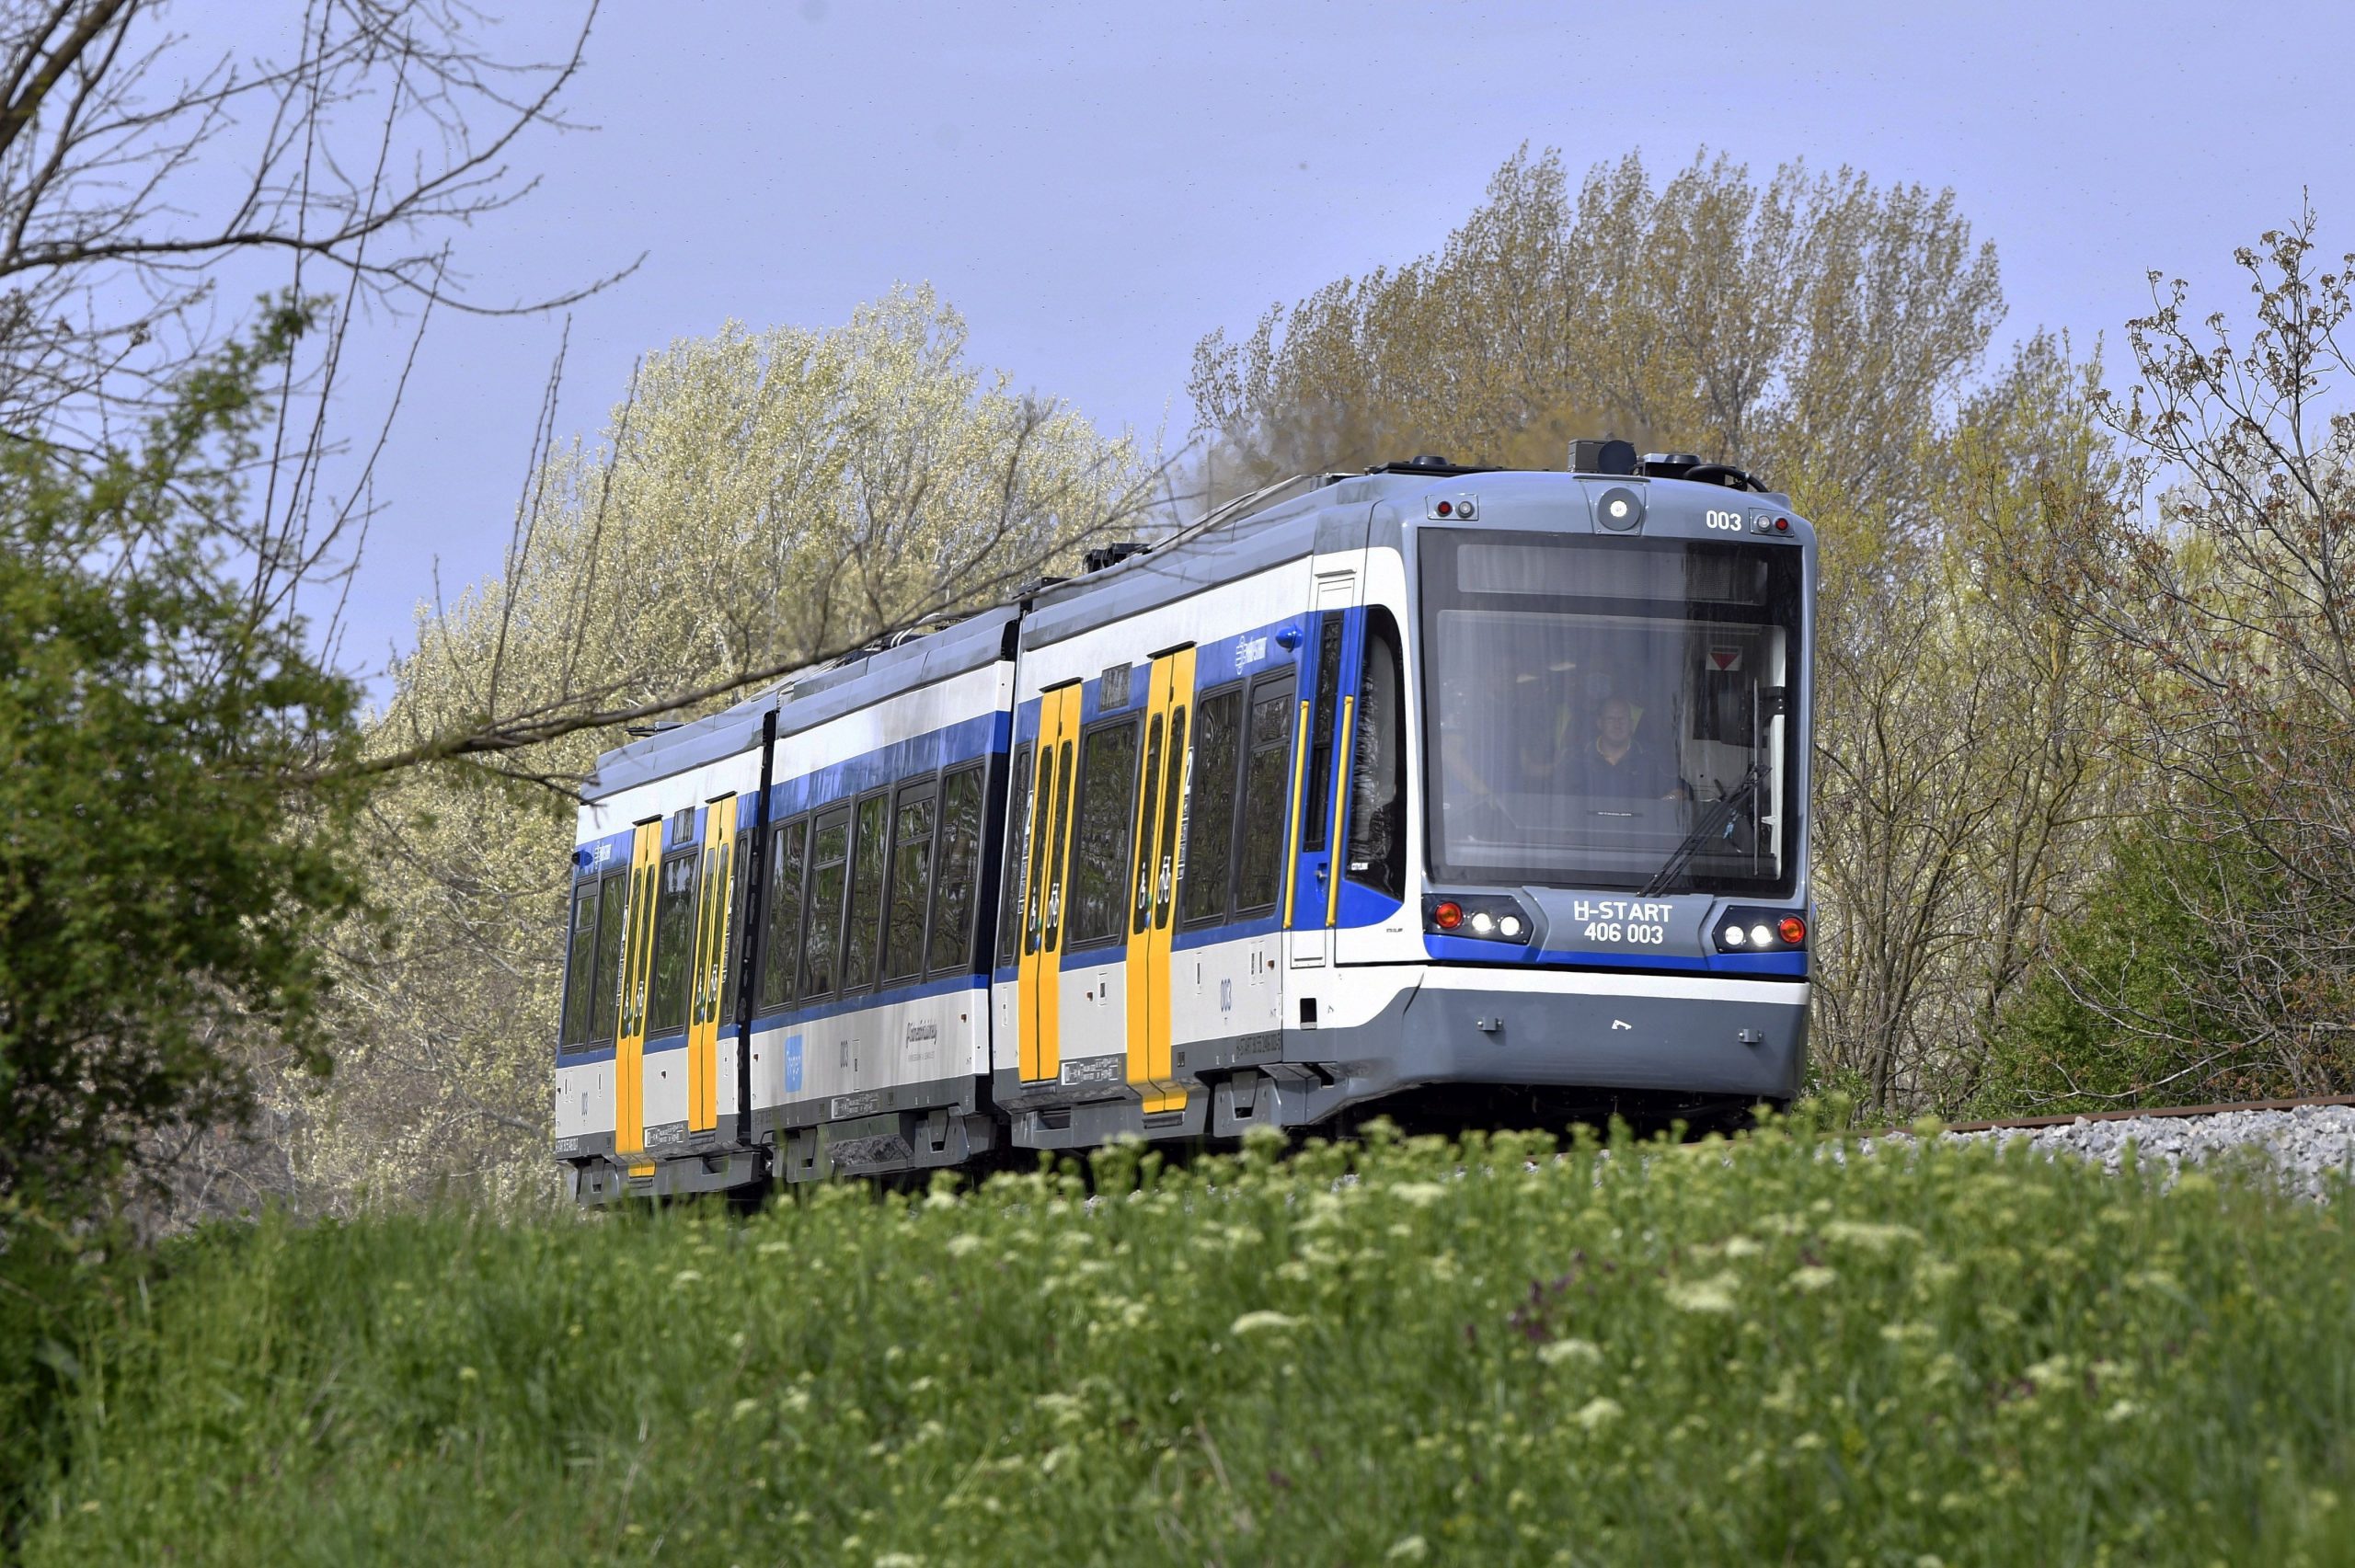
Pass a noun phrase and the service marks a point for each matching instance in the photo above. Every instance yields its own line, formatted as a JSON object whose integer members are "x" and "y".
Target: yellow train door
{"x": 1040, "y": 1016}
{"x": 629, "y": 1041}
{"x": 1160, "y": 821}
{"x": 713, "y": 912}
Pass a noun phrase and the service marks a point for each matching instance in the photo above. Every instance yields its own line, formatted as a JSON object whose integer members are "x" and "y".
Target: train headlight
{"x": 1759, "y": 931}
{"x": 1485, "y": 917}
{"x": 1620, "y": 508}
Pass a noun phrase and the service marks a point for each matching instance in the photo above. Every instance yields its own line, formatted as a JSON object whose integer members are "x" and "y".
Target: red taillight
{"x": 1447, "y": 914}
{"x": 1445, "y": 509}
{"x": 1781, "y": 525}
{"x": 1792, "y": 930}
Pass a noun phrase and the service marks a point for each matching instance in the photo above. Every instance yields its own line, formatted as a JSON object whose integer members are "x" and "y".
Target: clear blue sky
{"x": 1096, "y": 186}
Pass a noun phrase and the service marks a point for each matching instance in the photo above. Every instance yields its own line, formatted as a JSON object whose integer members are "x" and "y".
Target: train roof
{"x": 810, "y": 698}
{"x": 1310, "y": 514}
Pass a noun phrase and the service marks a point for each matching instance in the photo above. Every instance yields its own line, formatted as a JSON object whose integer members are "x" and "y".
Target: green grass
{"x": 1713, "y": 1353}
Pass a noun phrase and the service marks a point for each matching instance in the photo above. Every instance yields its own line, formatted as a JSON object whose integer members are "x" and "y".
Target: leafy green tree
{"x": 1961, "y": 778}
{"x": 763, "y": 500}
{"x": 150, "y": 177}
{"x": 2224, "y": 603}
{"x": 2127, "y": 1008}
{"x": 171, "y": 859}
{"x": 1809, "y": 325}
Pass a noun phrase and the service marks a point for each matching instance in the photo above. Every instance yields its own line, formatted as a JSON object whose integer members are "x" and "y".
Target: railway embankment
{"x": 1955, "y": 1350}
{"x": 2308, "y": 1150}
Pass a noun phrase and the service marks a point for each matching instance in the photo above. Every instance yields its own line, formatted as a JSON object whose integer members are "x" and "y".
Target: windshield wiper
{"x": 1717, "y": 822}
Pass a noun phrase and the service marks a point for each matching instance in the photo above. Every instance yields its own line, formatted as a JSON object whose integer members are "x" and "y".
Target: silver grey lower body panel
{"x": 1437, "y": 1028}
{"x": 1702, "y": 1035}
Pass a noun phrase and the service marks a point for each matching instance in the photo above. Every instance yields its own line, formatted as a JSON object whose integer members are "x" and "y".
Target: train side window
{"x": 911, "y": 892}
{"x": 870, "y": 852}
{"x": 961, "y": 797}
{"x": 1376, "y": 845}
{"x": 674, "y": 933}
{"x": 610, "y": 899}
{"x": 781, "y": 922}
{"x": 1148, "y": 805}
{"x": 703, "y": 981}
{"x": 637, "y": 945}
{"x": 733, "y": 961}
{"x": 1056, "y": 860}
{"x": 1209, "y": 808}
{"x": 1267, "y": 773}
{"x": 828, "y": 879}
{"x": 1099, "y": 852}
{"x": 1165, "y": 854}
{"x": 1034, "y": 903}
{"x": 580, "y": 964}
{"x": 1015, "y": 855}
{"x": 1317, "y": 803}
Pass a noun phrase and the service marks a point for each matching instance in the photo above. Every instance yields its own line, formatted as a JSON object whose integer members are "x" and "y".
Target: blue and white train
{"x": 1428, "y": 790}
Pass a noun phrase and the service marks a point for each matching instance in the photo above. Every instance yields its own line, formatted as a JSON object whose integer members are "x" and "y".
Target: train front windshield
{"x": 1611, "y": 712}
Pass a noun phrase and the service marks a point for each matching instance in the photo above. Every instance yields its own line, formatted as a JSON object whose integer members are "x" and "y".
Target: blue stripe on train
{"x": 905, "y": 991}
{"x": 1185, "y": 939}
{"x": 1468, "y": 949}
{"x": 909, "y": 990}
{"x": 1216, "y": 662}
{"x": 968, "y": 740}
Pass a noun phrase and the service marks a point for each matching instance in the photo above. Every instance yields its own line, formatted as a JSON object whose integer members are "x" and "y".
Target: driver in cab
{"x": 1618, "y": 763}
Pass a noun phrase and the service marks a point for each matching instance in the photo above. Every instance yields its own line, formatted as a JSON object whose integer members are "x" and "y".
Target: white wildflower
{"x": 1871, "y": 1238}
{"x": 1066, "y": 1409}
{"x": 2049, "y": 1373}
{"x": 1712, "y": 1296}
{"x": 1598, "y": 1414}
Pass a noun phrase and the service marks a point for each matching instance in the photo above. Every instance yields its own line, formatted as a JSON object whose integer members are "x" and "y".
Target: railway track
{"x": 2310, "y": 1141}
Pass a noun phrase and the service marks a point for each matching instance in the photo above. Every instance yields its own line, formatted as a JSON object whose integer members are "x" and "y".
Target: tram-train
{"x": 1431, "y": 786}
